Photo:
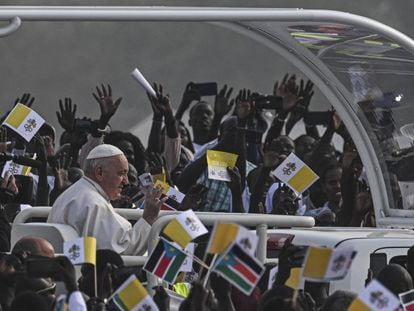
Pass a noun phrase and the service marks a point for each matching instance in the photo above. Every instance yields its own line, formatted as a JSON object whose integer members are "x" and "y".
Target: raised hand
{"x": 67, "y": 114}
{"x": 243, "y": 104}
{"x": 289, "y": 90}
{"x": 152, "y": 203}
{"x": 108, "y": 108}
{"x": 306, "y": 92}
{"x": 160, "y": 104}
{"x": 190, "y": 95}
{"x": 222, "y": 104}
{"x": 26, "y": 100}
{"x": 305, "y": 95}
{"x": 60, "y": 165}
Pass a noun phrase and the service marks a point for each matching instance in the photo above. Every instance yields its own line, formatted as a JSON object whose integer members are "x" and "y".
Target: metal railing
{"x": 260, "y": 221}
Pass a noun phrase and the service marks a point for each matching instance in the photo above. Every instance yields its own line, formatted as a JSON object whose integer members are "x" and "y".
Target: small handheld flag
{"x": 323, "y": 263}
{"x": 295, "y": 279}
{"x": 132, "y": 296}
{"x": 174, "y": 197}
{"x": 185, "y": 228}
{"x": 82, "y": 250}
{"x": 15, "y": 169}
{"x": 146, "y": 179}
{"x": 24, "y": 121}
{"x": 225, "y": 233}
{"x": 239, "y": 268}
{"x": 295, "y": 173}
{"x": 407, "y": 300}
{"x": 375, "y": 297}
{"x": 165, "y": 261}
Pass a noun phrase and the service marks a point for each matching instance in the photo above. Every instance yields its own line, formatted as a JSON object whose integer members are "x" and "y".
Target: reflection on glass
{"x": 380, "y": 75}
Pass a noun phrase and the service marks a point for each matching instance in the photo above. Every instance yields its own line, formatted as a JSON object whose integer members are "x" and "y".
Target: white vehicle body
{"x": 365, "y": 241}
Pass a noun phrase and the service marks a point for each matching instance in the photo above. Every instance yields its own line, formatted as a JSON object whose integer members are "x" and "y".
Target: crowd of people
{"x": 96, "y": 168}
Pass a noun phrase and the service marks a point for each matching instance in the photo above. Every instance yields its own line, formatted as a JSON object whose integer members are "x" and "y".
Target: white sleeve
{"x": 115, "y": 232}
{"x": 76, "y": 302}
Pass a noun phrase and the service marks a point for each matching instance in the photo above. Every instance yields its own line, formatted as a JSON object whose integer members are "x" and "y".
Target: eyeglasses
{"x": 48, "y": 290}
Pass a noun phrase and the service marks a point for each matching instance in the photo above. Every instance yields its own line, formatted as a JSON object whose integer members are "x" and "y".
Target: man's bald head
{"x": 34, "y": 245}
{"x": 395, "y": 278}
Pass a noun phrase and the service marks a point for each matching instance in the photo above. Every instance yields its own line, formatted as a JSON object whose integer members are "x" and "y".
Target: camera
{"x": 268, "y": 102}
{"x": 205, "y": 89}
{"x": 43, "y": 267}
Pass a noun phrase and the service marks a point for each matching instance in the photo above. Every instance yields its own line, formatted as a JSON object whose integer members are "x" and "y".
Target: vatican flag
{"x": 25, "y": 121}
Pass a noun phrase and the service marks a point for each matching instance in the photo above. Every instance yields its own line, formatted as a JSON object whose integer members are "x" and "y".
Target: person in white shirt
{"x": 86, "y": 205}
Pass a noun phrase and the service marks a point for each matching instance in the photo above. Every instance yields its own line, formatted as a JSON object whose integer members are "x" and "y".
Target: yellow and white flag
{"x": 25, "y": 121}
{"x": 218, "y": 162}
{"x": 15, "y": 169}
{"x": 375, "y": 297}
{"x": 187, "y": 265}
{"x": 132, "y": 296}
{"x": 323, "y": 263}
{"x": 225, "y": 234}
{"x": 185, "y": 228}
{"x": 170, "y": 192}
{"x": 295, "y": 280}
{"x": 81, "y": 250}
{"x": 295, "y": 173}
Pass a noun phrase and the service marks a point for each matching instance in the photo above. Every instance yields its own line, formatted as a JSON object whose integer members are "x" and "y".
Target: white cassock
{"x": 86, "y": 207}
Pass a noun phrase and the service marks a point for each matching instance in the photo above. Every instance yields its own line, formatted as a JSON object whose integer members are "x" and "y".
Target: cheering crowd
{"x": 96, "y": 168}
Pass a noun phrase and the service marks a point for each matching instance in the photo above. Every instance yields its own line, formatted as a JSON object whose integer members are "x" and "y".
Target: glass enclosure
{"x": 379, "y": 74}
{"x": 357, "y": 63}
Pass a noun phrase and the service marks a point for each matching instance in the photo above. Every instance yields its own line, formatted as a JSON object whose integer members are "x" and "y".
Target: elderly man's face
{"x": 114, "y": 176}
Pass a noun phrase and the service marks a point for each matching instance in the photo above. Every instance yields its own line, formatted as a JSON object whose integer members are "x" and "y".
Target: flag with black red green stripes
{"x": 239, "y": 268}
{"x": 165, "y": 261}
{"x": 407, "y": 300}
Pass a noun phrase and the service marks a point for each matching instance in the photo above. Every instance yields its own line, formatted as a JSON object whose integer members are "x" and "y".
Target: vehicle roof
{"x": 331, "y": 236}
{"x": 364, "y": 68}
